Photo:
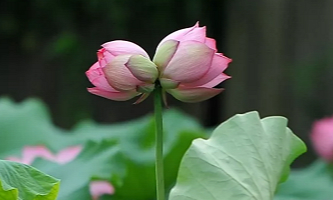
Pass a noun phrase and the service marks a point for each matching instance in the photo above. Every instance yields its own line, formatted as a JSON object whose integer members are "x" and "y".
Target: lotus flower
{"x": 322, "y": 138}
{"x": 122, "y": 72}
{"x": 186, "y": 65}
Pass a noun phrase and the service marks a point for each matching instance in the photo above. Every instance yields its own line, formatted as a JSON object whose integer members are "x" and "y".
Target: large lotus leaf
{"x": 245, "y": 158}
{"x": 312, "y": 183}
{"x": 23, "y": 182}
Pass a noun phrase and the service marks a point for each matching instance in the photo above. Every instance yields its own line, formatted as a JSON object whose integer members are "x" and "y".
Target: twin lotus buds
{"x": 186, "y": 65}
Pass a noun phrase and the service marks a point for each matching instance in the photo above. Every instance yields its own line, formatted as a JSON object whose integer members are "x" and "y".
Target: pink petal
{"x": 119, "y": 76}
{"x": 116, "y": 96}
{"x": 99, "y": 188}
{"x": 120, "y": 47}
{"x": 104, "y": 57}
{"x": 220, "y": 78}
{"x": 97, "y": 78}
{"x": 218, "y": 65}
{"x": 195, "y": 33}
{"x": 322, "y": 138}
{"x": 211, "y": 43}
{"x": 190, "y": 62}
{"x": 94, "y": 72}
{"x": 193, "y": 95}
{"x": 68, "y": 154}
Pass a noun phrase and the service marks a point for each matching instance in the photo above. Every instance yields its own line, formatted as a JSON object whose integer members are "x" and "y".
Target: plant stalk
{"x": 159, "y": 143}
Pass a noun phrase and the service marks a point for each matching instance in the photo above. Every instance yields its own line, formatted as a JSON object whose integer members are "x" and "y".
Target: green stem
{"x": 159, "y": 143}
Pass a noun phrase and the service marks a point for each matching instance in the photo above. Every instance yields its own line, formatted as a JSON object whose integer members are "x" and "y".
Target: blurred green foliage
{"x": 121, "y": 153}
{"x": 312, "y": 183}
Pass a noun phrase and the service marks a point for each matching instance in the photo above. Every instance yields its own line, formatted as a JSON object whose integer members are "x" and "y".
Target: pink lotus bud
{"x": 186, "y": 64}
{"x": 122, "y": 72}
{"x": 322, "y": 138}
{"x": 189, "y": 64}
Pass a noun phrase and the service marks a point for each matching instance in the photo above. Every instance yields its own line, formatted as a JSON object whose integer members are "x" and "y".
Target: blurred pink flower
{"x": 30, "y": 153}
{"x": 99, "y": 188}
{"x": 186, "y": 64}
{"x": 322, "y": 138}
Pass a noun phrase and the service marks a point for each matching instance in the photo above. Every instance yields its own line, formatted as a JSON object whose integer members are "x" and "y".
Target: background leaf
{"x": 101, "y": 159}
{"x": 245, "y": 158}
{"x": 313, "y": 182}
{"x": 23, "y": 182}
{"x": 127, "y": 161}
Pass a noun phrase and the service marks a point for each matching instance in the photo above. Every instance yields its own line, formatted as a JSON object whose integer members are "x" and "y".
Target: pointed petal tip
{"x": 164, "y": 98}
{"x": 116, "y": 96}
{"x": 143, "y": 97}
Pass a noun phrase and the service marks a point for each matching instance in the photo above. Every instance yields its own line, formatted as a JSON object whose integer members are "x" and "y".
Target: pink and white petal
{"x": 217, "y": 80}
{"x": 218, "y": 65}
{"x": 119, "y": 76}
{"x": 120, "y": 47}
{"x": 197, "y": 34}
{"x": 116, "y": 96}
{"x": 97, "y": 78}
{"x": 177, "y": 35}
{"x": 194, "y": 95}
{"x": 211, "y": 43}
{"x": 164, "y": 53}
{"x": 142, "y": 68}
{"x": 99, "y": 188}
{"x": 103, "y": 84}
{"x": 190, "y": 62}
{"x": 68, "y": 154}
